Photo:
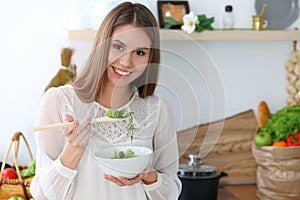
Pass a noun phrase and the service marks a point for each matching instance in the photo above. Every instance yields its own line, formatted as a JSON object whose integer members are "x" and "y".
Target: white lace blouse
{"x": 155, "y": 129}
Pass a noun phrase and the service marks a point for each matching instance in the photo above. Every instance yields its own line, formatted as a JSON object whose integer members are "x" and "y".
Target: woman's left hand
{"x": 148, "y": 176}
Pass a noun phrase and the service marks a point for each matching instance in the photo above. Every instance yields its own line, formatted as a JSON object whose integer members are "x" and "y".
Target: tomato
{"x": 9, "y": 173}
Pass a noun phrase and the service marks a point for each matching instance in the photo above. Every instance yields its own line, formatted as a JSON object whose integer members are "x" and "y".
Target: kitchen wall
{"x": 202, "y": 80}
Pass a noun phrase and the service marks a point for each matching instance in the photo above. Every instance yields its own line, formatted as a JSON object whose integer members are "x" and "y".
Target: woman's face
{"x": 129, "y": 54}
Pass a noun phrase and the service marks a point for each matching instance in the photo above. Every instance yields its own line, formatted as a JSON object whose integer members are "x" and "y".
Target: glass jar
{"x": 228, "y": 17}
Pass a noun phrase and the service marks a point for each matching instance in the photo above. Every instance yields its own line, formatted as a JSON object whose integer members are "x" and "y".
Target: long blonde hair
{"x": 88, "y": 84}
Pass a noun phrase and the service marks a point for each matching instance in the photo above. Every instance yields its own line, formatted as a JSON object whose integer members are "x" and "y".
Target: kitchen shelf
{"x": 89, "y": 34}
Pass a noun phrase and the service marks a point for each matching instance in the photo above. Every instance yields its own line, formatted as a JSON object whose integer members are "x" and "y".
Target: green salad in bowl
{"x": 121, "y": 154}
{"x": 126, "y": 161}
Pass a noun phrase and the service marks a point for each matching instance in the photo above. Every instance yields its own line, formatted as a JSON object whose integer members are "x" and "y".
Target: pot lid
{"x": 195, "y": 167}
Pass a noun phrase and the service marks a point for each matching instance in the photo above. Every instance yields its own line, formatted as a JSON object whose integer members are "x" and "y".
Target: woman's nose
{"x": 125, "y": 60}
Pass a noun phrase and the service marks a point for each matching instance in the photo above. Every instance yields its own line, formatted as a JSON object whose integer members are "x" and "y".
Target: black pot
{"x": 199, "y": 181}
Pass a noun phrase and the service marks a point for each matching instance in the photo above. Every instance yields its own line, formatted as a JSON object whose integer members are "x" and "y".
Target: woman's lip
{"x": 120, "y": 72}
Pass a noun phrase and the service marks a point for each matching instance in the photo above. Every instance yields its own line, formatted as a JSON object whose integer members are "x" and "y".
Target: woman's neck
{"x": 114, "y": 97}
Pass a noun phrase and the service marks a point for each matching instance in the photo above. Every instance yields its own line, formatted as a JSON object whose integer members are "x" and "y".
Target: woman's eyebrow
{"x": 116, "y": 40}
{"x": 144, "y": 48}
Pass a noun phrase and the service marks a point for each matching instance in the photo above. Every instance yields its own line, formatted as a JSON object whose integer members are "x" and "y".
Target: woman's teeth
{"x": 123, "y": 73}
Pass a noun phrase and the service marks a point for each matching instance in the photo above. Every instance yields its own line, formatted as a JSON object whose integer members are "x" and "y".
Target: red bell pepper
{"x": 293, "y": 140}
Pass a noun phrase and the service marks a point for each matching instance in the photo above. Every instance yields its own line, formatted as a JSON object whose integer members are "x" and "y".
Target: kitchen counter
{"x": 237, "y": 192}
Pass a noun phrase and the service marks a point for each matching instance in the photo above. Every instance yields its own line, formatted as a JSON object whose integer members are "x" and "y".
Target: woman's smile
{"x": 120, "y": 72}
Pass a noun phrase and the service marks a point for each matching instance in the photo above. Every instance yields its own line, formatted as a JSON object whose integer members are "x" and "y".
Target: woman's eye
{"x": 140, "y": 53}
{"x": 118, "y": 46}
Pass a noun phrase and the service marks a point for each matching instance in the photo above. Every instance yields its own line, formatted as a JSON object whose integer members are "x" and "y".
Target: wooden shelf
{"x": 231, "y": 35}
{"x": 89, "y": 34}
{"x": 85, "y": 34}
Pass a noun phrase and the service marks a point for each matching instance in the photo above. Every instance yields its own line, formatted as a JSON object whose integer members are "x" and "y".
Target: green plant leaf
{"x": 171, "y": 21}
{"x": 204, "y": 23}
{"x": 201, "y": 18}
{"x": 204, "y": 20}
{"x": 211, "y": 20}
{"x": 199, "y": 28}
{"x": 207, "y": 27}
{"x": 168, "y": 26}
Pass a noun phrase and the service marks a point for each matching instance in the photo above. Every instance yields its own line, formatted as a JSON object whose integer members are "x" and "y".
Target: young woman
{"x": 121, "y": 73}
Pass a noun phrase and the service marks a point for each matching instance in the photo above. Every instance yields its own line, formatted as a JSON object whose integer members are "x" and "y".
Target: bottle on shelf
{"x": 228, "y": 17}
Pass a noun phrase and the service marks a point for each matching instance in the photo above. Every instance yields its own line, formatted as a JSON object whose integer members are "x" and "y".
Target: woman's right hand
{"x": 77, "y": 134}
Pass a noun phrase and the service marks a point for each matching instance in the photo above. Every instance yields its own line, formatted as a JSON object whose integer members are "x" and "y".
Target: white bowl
{"x": 126, "y": 167}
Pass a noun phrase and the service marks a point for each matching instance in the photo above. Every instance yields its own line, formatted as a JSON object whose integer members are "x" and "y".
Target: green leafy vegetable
{"x": 129, "y": 153}
{"x": 29, "y": 171}
{"x": 282, "y": 123}
{"x": 116, "y": 113}
{"x": 121, "y": 155}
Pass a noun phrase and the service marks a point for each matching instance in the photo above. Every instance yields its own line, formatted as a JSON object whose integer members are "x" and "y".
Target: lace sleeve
{"x": 52, "y": 179}
{"x": 165, "y": 158}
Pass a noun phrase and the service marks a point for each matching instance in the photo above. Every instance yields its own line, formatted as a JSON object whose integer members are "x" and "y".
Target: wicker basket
{"x": 15, "y": 187}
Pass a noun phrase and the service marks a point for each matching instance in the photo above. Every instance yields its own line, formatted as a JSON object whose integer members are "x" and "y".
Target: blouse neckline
{"x": 135, "y": 94}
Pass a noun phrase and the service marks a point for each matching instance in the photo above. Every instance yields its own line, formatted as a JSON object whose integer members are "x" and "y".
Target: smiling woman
{"x": 121, "y": 73}
{"x": 128, "y": 56}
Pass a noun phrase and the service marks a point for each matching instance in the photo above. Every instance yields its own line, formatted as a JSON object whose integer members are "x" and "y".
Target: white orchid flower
{"x": 189, "y": 22}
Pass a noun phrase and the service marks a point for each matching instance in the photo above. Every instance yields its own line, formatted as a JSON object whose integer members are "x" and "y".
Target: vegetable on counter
{"x": 9, "y": 173}
{"x": 279, "y": 144}
{"x": 263, "y": 139}
{"x": 283, "y": 123}
{"x": 29, "y": 171}
{"x": 293, "y": 140}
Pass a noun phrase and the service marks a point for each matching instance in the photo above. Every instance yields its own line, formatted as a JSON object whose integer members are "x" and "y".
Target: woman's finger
{"x": 69, "y": 118}
{"x": 70, "y": 128}
{"x": 81, "y": 132}
{"x": 113, "y": 179}
{"x": 129, "y": 182}
{"x": 122, "y": 181}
